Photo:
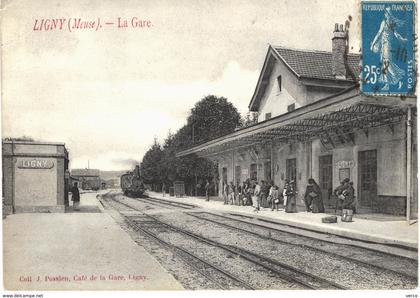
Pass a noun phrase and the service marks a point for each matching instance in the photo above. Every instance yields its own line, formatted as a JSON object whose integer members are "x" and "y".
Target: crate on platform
{"x": 171, "y": 191}
{"x": 179, "y": 188}
{"x": 347, "y": 215}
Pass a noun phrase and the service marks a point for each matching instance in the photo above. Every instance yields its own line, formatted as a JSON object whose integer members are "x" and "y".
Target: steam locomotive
{"x": 132, "y": 183}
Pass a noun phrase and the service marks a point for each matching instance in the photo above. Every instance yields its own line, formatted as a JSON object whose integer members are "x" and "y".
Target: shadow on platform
{"x": 84, "y": 209}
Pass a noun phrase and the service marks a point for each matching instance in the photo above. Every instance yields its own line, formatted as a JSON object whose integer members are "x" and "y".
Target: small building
{"x": 88, "y": 178}
{"x": 313, "y": 122}
{"x": 34, "y": 176}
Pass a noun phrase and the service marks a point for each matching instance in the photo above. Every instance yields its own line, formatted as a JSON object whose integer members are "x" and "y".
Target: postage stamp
{"x": 388, "y": 43}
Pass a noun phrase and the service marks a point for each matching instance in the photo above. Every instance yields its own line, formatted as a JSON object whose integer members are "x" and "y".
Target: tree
{"x": 150, "y": 165}
{"x": 210, "y": 118}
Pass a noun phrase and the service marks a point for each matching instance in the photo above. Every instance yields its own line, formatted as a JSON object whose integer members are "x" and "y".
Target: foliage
{"x": 210, "y": 118}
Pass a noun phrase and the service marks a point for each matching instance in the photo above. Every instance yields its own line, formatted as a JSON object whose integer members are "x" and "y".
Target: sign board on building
{"x": 34, "y": 163}
{"x": 344, "y": 173}
{"x": 345, "y": 164}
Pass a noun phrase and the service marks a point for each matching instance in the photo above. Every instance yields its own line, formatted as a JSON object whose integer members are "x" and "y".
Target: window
{"x": 291, "y": 107}
{"x": 267, "y": 116}
{"x": 279, "y": 82}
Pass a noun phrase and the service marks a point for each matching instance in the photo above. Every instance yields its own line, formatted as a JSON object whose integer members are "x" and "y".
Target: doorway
{"x": 267, "y": 171}
{"x": 237, "y": 175}
{"x": 224, "y": 177}
{"x": 367, "y": 177}
{"x": 253, "y": 172}
{"x": 291, "y": 170}
{"x": 325, "y": 178}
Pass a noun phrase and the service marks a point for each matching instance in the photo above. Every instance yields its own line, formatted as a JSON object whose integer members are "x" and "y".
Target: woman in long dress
{"x": 391, "y": 73}
{"x": 313, "y": 193}
{"x": 291, "y": 197}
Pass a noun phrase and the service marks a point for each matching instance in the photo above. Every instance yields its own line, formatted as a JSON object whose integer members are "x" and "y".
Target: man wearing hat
{"x": 338, "y": 192}
{"x": 348, "y": 194}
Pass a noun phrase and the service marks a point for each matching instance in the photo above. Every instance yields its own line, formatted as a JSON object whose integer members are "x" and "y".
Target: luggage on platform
{"x": 329, "y": 219}
{"x": 347, "y": 215}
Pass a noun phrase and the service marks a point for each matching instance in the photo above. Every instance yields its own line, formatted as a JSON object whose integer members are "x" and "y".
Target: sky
{"x": 108, "y": 93}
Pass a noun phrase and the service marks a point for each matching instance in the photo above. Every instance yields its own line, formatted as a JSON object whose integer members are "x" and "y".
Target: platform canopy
{"x": 333, "y": 120}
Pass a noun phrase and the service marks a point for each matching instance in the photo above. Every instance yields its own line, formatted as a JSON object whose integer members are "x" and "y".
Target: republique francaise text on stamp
{"x": 388, "y": 41}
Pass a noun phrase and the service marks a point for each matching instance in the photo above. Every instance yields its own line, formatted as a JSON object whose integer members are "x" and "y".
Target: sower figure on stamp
{"x": 391, "y": 73}
{"x": 75, "y": 196}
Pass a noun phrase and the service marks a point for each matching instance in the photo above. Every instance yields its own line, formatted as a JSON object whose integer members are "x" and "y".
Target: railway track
{"x": 283, "y": 271}
{"x": 165, "y": 203}
{"x": 223, "y": 279}
{"x": 352, "y": 257}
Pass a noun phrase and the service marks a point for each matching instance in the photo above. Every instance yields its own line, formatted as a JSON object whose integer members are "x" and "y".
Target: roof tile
{"x": 317, "y": 64}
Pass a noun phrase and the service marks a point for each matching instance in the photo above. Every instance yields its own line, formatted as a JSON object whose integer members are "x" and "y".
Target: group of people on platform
{"x": 263, "y": 195}
{"x": 268, "y": 195}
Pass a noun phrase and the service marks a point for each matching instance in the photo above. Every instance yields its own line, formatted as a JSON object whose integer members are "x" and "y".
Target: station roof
{"x": 333, "y": 120}
{"x": 33, "y": 143}
{"x": 310, "y": 67}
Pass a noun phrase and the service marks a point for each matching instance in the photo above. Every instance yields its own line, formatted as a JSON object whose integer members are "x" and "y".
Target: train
{"x": 132, "y": 184}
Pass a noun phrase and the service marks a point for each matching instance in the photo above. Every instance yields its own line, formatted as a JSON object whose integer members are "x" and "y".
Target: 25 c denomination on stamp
{"x": 388, "y": 43}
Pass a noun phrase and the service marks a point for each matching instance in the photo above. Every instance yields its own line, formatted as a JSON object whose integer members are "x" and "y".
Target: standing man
{"x": 231, "y": 195}
{"x": 207, "y": 187}
{"x": 163, "y": 188}
{"x": 257, "y": 193}
{"x": 348, "y": 195}
{"x": 75, "y": 196}
{"x": 225, "y": 193}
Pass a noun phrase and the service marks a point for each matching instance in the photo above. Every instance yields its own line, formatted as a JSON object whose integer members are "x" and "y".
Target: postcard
{"x": 216, "y": 146}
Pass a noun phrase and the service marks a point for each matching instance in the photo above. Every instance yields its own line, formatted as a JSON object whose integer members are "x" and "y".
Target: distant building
{"x": 88, "y": 179}
{"x": 35, "y": 177}
{"x": 112, "y": 183}
{"x": 313, "y": 122}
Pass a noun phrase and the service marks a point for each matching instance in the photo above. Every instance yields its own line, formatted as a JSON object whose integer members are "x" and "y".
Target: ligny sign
{"x": 35, "y": 164}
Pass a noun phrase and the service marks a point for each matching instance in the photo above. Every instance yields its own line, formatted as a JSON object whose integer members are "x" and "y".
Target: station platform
{"x": 84, "y": 250}
{"x": 383, "y": 230}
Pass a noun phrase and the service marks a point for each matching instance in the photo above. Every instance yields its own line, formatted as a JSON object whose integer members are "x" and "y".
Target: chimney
{"x": 339, "y": 52}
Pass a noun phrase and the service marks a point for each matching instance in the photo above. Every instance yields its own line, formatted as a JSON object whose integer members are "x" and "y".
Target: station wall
{"x": 388, "y": 143}
{"x": 34, "y": 177}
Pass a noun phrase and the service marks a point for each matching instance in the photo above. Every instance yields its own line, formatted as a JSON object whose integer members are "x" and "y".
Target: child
{"x": 274, "y": 195}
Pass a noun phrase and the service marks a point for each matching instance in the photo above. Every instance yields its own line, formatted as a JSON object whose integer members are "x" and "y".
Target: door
{"x": 291, "y": 170}
{"x": 238, "y": 175}
{"x": 367, "y": 179}
{"x": 267, "y": 171}
{"x": 224, "y": 175}
{"x": 224, "y": 179}
{"x": 253, "y": 172}
{"x": 325, "y": 178}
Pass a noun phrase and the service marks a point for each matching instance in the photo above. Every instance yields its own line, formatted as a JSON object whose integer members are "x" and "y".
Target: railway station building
{"x": 35, "y": 177}
{"x": 313, "y": 122}
{"x": 88, "y": 179}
